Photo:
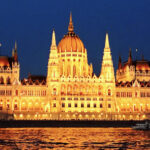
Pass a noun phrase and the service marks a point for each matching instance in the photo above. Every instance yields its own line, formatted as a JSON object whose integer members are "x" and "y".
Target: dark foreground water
{"x": 73, "y": 139}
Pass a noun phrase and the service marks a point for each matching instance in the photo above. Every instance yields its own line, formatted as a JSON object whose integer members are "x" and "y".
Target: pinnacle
{"x": 53, "y": 39}
{"x": 107, "y": 41}
{"x": 70, "y": 27}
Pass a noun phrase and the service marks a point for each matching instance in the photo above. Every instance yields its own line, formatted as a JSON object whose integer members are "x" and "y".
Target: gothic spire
{"x": 15, "y": 45}
{"x": 15, "y": 53}
{"x": 107, "y": 42}
{"x": 53, "y": 39}
{"x": 130, "y": 57}
{"x": 119, "y": 63}
{"x": 70, "y": 27}
{"x": 107, "y": 69}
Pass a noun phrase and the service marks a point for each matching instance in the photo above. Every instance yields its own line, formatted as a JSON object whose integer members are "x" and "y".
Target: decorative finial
{"x": 53, "y": 38}
{"x": 130, "y": 57}
{"x": 13, "y": 52}
{"x": 70, "y": 27}
{"x": 120, "y": 63}
{"x": 15, "y": 45}
{"x": 107, "y": 41}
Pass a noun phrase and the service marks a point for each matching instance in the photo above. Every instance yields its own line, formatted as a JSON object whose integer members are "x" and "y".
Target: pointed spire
{"x": 107, "y": 41}
{"x": 15, "y": 52}
{"x": 53, "y": 39}
{"x": 70, "y": 27}
{"x": 130, "y": 57}
{"x": 15, "y": 45}
{"x": 119, "y": 63}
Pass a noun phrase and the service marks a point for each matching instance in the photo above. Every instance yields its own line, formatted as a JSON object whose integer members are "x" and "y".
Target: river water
{"x": 73, "y": 139}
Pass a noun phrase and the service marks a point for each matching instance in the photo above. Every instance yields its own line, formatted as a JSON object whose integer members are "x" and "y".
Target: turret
{"x": 15, "y": 65}
{"x": 15, "y": 53}
{"x": 107, "y": 69}
{"x": 130, "y": 58}
{"x": 53, "y": 76}
{"x": 53, "y": 62}
{"x": 119, "y": 63}
{"x": 108, "y": 78}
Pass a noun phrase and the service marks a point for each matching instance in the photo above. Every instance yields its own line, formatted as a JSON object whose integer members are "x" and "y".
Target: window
{"x": 118, "y": 94}
{"x": 101, "y": 105}
{"x": 129, "y": 94}
{"x": 62, "y": 98}
{"x": 76, "y": 105}
{"x": 68, "y": 70}
{"x": 8, "y": 106}
{"x": 109, "y": 92}
{"x": 16, "y": 92}
{"x": 94, "y": 105}
{"x": 8, "y": 80}
{"x": 54, "y": 91}
{"x": 69, "y": 105}
{"x": 88, "y": 105}
{"x": 76, "y": 98}
{"x": 74, "y": 70}
{"x": 2, "y": 92}
{"x": 1, "y": 80}
{"x": 54, "y": 105}
{"x": 63, "y": 104}
{"x": 109, "y": 105}
{"x": 15, "y": 107}
{"x": 82, "y": 105}
{"x": 143, "y": 94}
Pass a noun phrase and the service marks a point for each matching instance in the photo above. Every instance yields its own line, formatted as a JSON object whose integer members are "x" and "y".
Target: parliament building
{"x": 71, "y": 91}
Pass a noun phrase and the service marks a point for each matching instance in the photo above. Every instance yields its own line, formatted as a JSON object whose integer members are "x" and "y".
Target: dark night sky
{"x": 30, "y": 22}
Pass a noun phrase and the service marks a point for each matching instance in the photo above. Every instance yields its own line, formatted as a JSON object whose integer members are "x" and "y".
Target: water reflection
{"x": 74, "y": 138}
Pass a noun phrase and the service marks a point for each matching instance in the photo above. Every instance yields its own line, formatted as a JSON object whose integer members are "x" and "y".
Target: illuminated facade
{"x": 71, "y": 90}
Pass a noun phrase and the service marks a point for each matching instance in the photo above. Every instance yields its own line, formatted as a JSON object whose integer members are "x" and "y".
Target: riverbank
{"x": 66, "y": 123}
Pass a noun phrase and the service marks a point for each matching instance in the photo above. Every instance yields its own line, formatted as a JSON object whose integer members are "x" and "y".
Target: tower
{"x": 53, "y": 76}
{"x": 130, "y": 58}
{"x": 107, "y": 70}
{"x": 108, "y": 78}
{"x": 15, "y": 65}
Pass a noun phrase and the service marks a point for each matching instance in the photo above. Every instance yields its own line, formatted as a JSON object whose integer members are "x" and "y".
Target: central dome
{"x": 71, "y": 42}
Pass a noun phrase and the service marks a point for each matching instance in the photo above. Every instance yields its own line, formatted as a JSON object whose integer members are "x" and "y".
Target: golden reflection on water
{"x": 73, "y": 139}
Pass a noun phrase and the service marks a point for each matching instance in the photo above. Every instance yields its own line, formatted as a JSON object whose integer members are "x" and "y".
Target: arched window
{"x": 15, "y": 105}
{"x": 109, "y": 92}
{"x": 23, "y": 105}
{"x": 8, "y": 80}
{"x": 1, "y": 80}
{"x": 54, "y": 91}
{"x": 68, "y": 70}
{"x": 74, "y": 70}
{"x": 69, "y": 89}
{"x": 8, "y": 105}
{"x": 63, "y": 89}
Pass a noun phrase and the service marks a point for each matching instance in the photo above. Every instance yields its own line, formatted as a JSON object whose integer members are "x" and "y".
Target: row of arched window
{"x": 7, "y": 80}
